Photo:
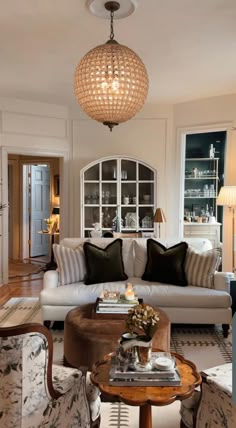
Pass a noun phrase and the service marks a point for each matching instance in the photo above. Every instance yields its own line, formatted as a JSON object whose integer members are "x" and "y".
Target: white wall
{"x": 212, "y": 113}
{"x": 31, "y": 128}
{"x": 147, "y": 137}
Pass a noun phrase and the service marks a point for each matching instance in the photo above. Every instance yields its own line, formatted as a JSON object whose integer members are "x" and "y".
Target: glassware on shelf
{"x": 146, "y": 199}
{"x": 117, "y": 223}
{"x": 107, "y": 197}
{"x": 114, "y": 173}
{"x": 206, "y": 190}
{"x": 106, "y": 218}
{"x": 130, "y": 220}
{"x": 124, "y": 174}
{"x": 96, "y": 233}
{"x": 126, "y": 200}
{"x": 147, "y": 222}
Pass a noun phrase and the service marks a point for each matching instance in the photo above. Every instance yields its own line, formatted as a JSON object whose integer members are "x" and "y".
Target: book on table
{"x": 152, "y": 377}
{"x": 120, "y": 305}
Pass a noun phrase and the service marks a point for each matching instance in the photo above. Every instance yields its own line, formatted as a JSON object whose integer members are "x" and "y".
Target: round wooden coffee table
{"x": 147, "y": 396}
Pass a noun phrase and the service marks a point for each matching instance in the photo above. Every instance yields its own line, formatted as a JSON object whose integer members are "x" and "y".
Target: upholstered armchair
{"x": 34, "y": 393}
{"x": 212, "y": 406}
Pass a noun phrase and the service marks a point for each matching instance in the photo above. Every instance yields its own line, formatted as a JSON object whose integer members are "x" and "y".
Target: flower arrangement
{"x": 143, "y": 319}
{"x": 49, "y": 221}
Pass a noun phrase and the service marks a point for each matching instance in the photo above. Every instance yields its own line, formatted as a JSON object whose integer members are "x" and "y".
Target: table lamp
{"x": 227, "y": 198}
{"x": 56, "y": 212}
{"x": 159, "y": 217}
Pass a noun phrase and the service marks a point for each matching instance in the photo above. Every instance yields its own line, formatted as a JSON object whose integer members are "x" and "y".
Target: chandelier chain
{"x": 112, "y": 30}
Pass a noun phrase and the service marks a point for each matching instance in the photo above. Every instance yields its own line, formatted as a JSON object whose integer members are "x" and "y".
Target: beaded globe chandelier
{"x": 111, "y": 81}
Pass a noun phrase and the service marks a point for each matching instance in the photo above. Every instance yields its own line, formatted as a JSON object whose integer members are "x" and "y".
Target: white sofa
{"x": 188, "y": 305}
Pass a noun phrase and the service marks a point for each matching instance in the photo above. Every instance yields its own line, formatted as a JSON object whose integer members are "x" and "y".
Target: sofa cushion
{"x": 167, "y": 295}
{"x": 127, "y": 249}
{"x": 155, "y": 294}
{"x": 140, "y": 255}
{"x": 140, "y": 250}
{"x": 104, "y": 265}
{"x": 165, "y": 264}
{"x": 200, "y": 267}
{"x": 71, "y": 264}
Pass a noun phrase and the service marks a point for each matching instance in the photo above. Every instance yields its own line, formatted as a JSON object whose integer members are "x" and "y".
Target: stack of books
{"x": 151, "y": 377}
{"x": 118, "y": 305}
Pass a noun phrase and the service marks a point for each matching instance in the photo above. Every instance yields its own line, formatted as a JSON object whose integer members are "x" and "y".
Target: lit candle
{"x": 129, "y": 292}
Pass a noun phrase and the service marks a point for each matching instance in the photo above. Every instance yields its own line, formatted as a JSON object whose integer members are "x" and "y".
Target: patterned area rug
{"x": 204, "y": 345}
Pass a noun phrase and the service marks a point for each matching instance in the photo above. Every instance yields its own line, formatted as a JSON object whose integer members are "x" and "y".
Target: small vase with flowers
{"x": 143, "y": 320}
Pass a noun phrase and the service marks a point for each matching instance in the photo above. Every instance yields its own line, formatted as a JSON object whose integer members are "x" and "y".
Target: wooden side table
{"x": 147, "y": 396}
{"x": 52, "y": 264}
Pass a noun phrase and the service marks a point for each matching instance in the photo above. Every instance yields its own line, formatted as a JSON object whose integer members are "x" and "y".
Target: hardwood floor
{"x": 29, "y": 287}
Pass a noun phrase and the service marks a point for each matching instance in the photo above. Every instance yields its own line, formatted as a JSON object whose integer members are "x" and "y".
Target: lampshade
{"x": 227, "y": 196}
{"x": 111, "y": 81}
{"x": 56, "y": 210}
{"x": 159, "y": 216}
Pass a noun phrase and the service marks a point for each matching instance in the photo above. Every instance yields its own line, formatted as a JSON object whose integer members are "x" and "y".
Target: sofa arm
{"x": 222, "y": 281}
{"x": 50, "y": 279}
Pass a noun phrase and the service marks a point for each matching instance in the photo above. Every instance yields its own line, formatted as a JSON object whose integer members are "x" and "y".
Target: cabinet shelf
{"x": 201, "y": 159}
{"x": 200, "y": 197}
{"x": 201, "y": 186}
{"x": 207, "y": 177}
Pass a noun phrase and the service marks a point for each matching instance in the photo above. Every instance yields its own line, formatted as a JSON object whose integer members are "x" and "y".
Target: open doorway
{"x": 32, "y": 198}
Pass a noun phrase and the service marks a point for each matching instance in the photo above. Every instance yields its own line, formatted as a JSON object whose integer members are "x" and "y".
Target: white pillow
{"x": 71, "y": 264}
{"x": 200, "y": 267}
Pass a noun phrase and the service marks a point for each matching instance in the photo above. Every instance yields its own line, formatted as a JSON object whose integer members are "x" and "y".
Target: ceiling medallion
{"x": 111, "y": 81}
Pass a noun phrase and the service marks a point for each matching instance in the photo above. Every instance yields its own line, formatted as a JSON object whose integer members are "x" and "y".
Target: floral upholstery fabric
{"x": 188, "y": 409}
{"x": 60, "y": 373}
{"x": 215, "y": 406}
{"x": 25, "y": 401}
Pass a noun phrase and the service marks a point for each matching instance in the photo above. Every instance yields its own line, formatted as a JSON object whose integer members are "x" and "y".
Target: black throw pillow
{"x": 165, "y": 264}
{"x": 104, "y": 265}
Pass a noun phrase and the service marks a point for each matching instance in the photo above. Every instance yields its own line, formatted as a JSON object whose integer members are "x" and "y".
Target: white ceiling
{"x": 188, "y": 47}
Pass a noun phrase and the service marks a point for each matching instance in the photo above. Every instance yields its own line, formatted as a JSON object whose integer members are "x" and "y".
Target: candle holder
{"x": 129, "y": 292}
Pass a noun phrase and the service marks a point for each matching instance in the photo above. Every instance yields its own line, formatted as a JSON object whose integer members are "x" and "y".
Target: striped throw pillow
{"x": 200, "y": 267}
{"x": 71, "y": 264}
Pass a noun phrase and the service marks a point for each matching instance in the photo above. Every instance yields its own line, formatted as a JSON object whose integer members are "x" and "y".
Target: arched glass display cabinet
{"x": 117, "y": 194}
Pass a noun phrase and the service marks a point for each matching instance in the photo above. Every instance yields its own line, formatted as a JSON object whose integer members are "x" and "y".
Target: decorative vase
{"x": 144, "y": 354}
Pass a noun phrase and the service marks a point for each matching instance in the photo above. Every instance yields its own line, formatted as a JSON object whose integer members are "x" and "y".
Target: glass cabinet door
{"x": 118, "y": 194}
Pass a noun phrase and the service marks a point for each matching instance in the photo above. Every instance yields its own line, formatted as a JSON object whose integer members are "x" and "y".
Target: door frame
{"x": 64, "y": 156}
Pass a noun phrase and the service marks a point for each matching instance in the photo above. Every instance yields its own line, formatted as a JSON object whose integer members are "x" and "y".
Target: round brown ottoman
{"x": 87, "y": 340}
